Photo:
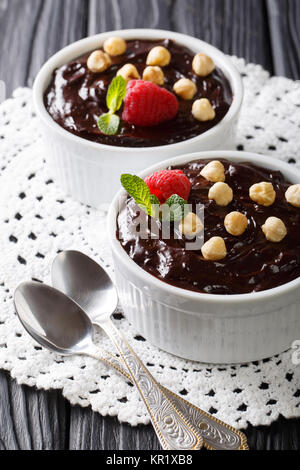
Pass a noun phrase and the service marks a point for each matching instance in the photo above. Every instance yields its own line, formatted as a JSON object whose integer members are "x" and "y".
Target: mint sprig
{"x": 137, "y": 188}
{"x": 178, "y": 208}
{"x": 174, "y": 209}
{"x": 109, "y": 123}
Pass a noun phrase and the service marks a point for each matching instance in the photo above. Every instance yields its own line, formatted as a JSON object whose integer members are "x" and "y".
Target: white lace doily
{"x": 37, "y": 220}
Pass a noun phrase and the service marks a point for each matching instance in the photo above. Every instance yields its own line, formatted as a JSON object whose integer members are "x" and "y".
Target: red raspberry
{"x": 163, "y": 184}
{"x": 146, "y": 104}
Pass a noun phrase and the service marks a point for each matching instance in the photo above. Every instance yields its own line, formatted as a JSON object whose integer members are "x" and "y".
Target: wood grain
{"x": 284, "y": 22}
{"x": 262, "y": 31}
{"x": 236, "y": 27}
{"x": 31, "y": 419}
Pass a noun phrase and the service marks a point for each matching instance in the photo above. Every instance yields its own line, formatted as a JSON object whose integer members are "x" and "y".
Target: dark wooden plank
{"x": 284, "y": 22}
{"x": 234, "y": 26}
{"x": 31, "y": 419}
{"x": 90, "y": 431}
{"x": 31, "y": 31}
{"x": 119, "y": 14}
{"x": 17, "y": 26}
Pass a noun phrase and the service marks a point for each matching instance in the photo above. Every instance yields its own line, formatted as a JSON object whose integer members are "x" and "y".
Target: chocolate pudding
{"x": 76, "y": 97}
{"x": 252, "y": 263}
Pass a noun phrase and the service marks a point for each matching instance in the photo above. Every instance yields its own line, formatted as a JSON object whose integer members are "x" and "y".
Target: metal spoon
{"x": 58, "y": 321}
{"x": 89, "y": 285}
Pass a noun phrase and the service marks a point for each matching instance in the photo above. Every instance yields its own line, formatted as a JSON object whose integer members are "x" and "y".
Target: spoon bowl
{"x": 86, "y": 282}
{"x": 53, "y": 317}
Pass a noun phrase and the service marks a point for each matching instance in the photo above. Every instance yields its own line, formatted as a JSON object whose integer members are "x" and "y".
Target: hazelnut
{"x": 129, "y": 72}
{"x": 115, "y": 46}
{"x": 98, "y": 61}
{"x": 202, "y": 110}
{"x": 191, "y": 225}
{"x": 263, "y": 194}
{"x": 185, "y": 88}
{"x": 214, "y": 171}
{"x": 292, "y": 195}
{"x": 203, "y": 65}
{"x": 214, "y": 249}
{"x": 221, "y": 193}
{"x": 159, "y": 55}
{"x": 154, "y": 74}
{"x": 274, "y": 229}
{"x": 236, "y": 223}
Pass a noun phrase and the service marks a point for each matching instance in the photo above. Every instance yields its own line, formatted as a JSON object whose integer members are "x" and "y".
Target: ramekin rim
{"x": 46, "y": 70}
{"x": 185, "y": 293}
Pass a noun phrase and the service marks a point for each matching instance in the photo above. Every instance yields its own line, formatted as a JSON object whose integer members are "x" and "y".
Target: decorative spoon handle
{"x": 216, "y": 434}
{"x": 174, "y": 431}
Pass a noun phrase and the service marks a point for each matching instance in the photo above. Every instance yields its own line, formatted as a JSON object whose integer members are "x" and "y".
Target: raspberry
{"x": 163, "y": 184}
{"x": 146, "y": 104}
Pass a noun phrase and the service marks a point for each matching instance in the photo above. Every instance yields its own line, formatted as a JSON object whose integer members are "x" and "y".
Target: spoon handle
{"x": 174, "y": 431}
{"x": 216, "y": 434}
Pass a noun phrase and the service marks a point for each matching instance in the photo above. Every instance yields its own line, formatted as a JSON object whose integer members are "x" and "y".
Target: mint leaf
{"x": 137, "y": 188}
{"x": 155, "y": 206}
{"x": 109, "y": 123}
{"x": 178, "y": 208}
{"x": 154, "y": 200}
{"x": 116, "y": 93}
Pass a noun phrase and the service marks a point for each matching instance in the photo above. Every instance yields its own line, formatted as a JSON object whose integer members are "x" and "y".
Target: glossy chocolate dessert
{"x": 252, "y": 263}
{"x": 76, "y": 97}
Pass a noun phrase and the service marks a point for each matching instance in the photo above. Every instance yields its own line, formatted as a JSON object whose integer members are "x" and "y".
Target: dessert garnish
{"x": 191, "y": 225}
{"x": 263, "y": 193}
{"x": 292, "y": 195}
{"x": 146, "y": 195}
{"x": 115, "y": 46}
{"x": 274, "y": 229}
{"x": 214, "y": 171}
{"x": 203, "y": 65}
{"x": 236, "y": 223}
{"x": 185, "y": 88}
{"x": 221, "y": 193}
{"x": 129, "y": 72}
{"x": 154, "y": 74}
{"x": 159, "y": 55}
{"x": 214, "y": 249}
{"x": 109, "y": 122}
{"x": 202, "y": 110}
{"x": 146, "y": 104}
{"x": 163, "y": 184}
{"x": 98, "y": 62}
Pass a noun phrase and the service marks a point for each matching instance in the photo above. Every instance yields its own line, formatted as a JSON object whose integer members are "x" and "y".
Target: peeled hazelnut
{"x": 191, "y": 225}
{"x": 292, "y": 195}
{"x": 98, "y": 61}
{"x": 263, "y": 194}
{"x": 214, "y": 249}
{"x": 154, "y": 74}
{"x": 274, "y": 229}
{"x": 236, "y": 223}
{"x": 115, "y": 46}
{"x": 221, "y": 193}
{"x": 203, "y": 65}
{"x": 129, "y": 72}
{"x": 159, "y": 55}
{"x": 185, "y": 88}
{"x": 202, "y": 110}
{"x": 214, "y": 171}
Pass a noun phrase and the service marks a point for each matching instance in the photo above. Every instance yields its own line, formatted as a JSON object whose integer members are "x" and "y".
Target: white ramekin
{"x": 90, "y": 172}
{"x": 206, "y": 327}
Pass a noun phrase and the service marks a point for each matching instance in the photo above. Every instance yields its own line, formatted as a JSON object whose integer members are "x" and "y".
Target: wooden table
{"x": 263, "y": 31}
